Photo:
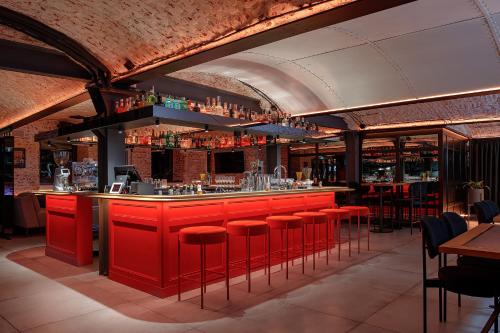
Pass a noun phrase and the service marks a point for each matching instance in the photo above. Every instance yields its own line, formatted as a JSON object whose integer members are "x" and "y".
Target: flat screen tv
{"x": 230, "y": 162}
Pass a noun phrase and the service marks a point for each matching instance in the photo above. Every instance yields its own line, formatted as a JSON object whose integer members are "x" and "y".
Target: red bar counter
{"x": 69, "y": 228}
{"x": 143, "y": 231}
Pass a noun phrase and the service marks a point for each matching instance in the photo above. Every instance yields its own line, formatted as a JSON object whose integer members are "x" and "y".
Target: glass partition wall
{"x": 436, "y": 157}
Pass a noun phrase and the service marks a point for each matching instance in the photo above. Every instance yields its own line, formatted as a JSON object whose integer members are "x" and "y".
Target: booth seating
{"x": 29, "y": 215}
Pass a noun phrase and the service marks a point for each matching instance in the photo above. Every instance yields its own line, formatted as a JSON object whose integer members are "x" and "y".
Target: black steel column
{"x": 353, "y": 143}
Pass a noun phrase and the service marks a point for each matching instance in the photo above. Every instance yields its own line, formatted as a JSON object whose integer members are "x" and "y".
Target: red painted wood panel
{"x": 135, "y": 242}
{"x": 69, "y": 228}
{"x": 143, "y": 235}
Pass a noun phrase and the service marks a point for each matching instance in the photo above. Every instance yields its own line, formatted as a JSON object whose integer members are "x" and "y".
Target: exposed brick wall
{"x": 188, "y": 165}
{"x": 28, "y": 179}
{"x": 140, "y": 157}
{"x": 86, "y": 151}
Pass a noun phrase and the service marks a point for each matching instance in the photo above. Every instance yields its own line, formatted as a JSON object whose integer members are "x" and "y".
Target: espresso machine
{"x": 61, "y": 174}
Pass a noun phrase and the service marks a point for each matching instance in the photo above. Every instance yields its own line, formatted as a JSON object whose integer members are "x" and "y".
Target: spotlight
{"x": 277, "y": 136}
{"x": 49, "y": 143}
{"x": 232, "y": 150}
{"x": 157, "y": 122}
{"x": 120, "y": 129}
{"x": 68, "y": 139}
{"x": 245, "y": 132}
{"x": 206, "y": 128}
{"x": 260, "y": 148}
{"x": 362, "y": 126}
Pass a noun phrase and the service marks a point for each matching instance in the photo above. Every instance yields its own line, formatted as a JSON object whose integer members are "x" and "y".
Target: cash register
{"x": 131, "y": 180}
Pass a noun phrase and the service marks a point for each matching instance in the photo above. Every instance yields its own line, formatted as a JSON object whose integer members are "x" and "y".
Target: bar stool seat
{"x": 247, "y": 229}
{"x": 360, "y": 211}
{"x": 202, "y": 236}
{"x": 283, "y": 222}
{"x": 336, "y": 215}
{"x": 315, "y": 218}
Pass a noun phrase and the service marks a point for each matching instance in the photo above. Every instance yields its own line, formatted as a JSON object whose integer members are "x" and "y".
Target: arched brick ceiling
{"x": 149, "y": 30}
{"x": 417, "y": 50}
{"x": 143, "y": 32}
{"x": 23, "y": 94}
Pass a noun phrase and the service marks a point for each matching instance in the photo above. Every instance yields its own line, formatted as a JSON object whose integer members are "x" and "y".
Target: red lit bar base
{"x": 143, "y": 235}
{"x": 69, "y": 228}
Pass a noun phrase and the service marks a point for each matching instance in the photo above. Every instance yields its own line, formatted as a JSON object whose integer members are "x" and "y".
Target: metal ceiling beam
{"x": 330, "y": 17}
{"x": 26, "y": 58}
{"x": 99, "y": 72}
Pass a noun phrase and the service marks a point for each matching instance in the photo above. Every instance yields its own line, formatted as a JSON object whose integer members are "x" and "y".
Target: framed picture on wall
{"x": 19, "y": 158}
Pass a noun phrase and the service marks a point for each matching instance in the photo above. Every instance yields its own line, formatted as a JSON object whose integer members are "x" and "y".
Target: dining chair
{"x": 461, "y": 279}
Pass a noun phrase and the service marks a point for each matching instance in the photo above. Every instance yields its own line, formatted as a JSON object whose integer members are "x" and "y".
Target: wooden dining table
{"x": 482, "y": 241}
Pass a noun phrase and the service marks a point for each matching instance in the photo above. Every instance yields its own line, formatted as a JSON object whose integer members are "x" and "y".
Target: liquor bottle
{"x": 225, "y": 110}
{"x": 235, "y": 111}
{"x": 151, "y": 98}
{"x": 168, "y": 102}
{"x": 196, "y": 107}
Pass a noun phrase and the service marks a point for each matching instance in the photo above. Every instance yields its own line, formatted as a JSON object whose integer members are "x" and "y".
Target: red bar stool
{"x": 247, "y": 229}
{"x": 202, "y": 236}
{"x": 336, "y": 215}
{"x": 314, "y": 218}
{"x": 283, "y": 223}
{"x": 360, "y": 211}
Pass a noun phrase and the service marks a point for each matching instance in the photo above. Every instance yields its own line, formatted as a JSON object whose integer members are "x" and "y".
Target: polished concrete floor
{"x": 376, "y": 291}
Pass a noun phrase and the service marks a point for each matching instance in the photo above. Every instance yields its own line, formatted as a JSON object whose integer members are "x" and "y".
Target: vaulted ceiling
{"x": 142, "y": 33}
{"x": 413, "y": 51}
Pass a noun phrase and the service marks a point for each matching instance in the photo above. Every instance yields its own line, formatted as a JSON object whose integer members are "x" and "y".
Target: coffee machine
{"x": 61, "y": 174}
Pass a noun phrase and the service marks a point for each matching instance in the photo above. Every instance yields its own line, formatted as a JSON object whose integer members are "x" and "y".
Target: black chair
{"x": 413, "y": 201}
{"x": 456, "y": 224}
{"x": 435, "y": 233}
{"x": 467, "y": 280}
{"x": 493, "y": 207}
{"x": 431, "y": 198}
{"x": 484, "y": 212}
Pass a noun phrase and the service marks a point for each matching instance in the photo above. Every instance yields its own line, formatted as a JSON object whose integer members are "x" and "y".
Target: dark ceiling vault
{"x": 25, "y": 24}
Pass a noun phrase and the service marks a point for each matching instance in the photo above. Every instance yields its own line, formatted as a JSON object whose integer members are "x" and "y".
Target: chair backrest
{"x": 493, "y": 207}
{"x": 432, "y": 187}
{"x": 435, "y": 233}
{"x": 25, "y": 210}
{"x": 483, "y": 212}
{"x": 456, "y": 224}
{"x": 415, "y": 190}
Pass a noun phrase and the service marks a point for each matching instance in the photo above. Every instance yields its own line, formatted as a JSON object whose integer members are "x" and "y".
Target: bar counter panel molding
{"x": 69, "y": 229}
{"x": 143, "y": 235}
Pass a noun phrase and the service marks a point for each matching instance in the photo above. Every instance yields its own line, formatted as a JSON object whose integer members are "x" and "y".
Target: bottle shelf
{"x": 155, "y": 114}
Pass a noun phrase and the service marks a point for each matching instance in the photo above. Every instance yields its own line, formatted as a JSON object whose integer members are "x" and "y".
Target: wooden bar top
{"x": 198, "y": 197}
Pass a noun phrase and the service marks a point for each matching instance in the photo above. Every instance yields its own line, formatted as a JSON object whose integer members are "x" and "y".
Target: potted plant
{"x": 475, "y": 191}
